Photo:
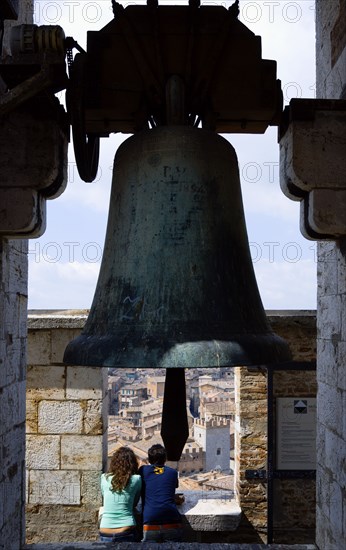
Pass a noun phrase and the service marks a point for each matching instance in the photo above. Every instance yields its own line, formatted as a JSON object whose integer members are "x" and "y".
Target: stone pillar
{"x": 13, "y": 311}
{"x": 66, "y": 435}
{"x": 313, "y": 170}
{"x": 251, "y": 450}
{"x": 331, "y": 317}
{"x": 331, "y": 404}
{"x": 13, "y": 308}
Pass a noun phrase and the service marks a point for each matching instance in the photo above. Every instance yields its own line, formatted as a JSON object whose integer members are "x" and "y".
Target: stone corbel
{"x": 33, "y": 165}
{"x": 313, "y": 165}
{"x": 34, "y": 129}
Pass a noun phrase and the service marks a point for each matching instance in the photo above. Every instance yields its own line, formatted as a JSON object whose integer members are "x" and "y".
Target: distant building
{"x": 151, "y": 417}
{"x": 132, "y": 395}
{"x": 115, "y": 383}
{"x": 192, "y": 390}
{"x": 133, "y": 415}
{"x": 120, "y": 429}
{"x": 156, "y": 386}
{"x": 207, "y": 385}
{"x": 218, "y": 404}
{"x": 192, "y": 459}
{"x": 214, "y": 438}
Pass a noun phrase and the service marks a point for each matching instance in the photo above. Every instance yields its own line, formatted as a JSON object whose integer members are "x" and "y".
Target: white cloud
{"x": 287, "y": 285}
{"x": 268, "y": 200}
{"x": 62, "y": 285}
{"x": 94, "y": 195}
{"x": 282, "y": 285}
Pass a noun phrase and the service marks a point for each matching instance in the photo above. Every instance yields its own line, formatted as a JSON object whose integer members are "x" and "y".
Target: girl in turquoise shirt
{"x": 121, "y": 489}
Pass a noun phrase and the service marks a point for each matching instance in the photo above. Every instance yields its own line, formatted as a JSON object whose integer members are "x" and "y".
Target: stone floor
{"x": 166, "y": 546}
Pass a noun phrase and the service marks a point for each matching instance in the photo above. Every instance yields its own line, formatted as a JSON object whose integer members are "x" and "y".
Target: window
{"x": 218, "y": 451}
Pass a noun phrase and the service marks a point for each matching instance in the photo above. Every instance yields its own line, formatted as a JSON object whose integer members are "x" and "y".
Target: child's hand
{"x": 179, "y": 498}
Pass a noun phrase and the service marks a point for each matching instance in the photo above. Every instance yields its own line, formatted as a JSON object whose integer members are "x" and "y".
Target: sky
{"x": 64, "y": 262}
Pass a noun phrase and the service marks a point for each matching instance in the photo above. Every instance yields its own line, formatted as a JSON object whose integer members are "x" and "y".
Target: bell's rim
{"x": 242, "y": 350}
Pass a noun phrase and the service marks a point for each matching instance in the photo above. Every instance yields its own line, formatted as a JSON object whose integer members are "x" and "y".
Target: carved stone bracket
{"x": 34, "y": 129}
{"x": 33, "y": 165}
{"x": 313, "y": 165}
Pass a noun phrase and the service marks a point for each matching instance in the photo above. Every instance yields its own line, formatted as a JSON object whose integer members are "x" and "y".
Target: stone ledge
{"x": 76, "y": 318}
{"x": 56, "y": 319}
{"x": 210, "y": 511}
{"x": 166, "y": 546}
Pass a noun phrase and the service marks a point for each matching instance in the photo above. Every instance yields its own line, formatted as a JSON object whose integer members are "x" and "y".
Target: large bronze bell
{"x": 176, "y": 287}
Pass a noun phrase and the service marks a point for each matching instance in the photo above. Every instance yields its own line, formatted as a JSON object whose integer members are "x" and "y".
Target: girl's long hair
{"x": 122, "y": 466}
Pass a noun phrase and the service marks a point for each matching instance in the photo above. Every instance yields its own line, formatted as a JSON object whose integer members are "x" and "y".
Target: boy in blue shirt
{"x": 161, "y": 519}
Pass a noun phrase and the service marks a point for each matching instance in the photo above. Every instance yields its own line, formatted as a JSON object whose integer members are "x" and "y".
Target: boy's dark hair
{"x": 157, "y": 455}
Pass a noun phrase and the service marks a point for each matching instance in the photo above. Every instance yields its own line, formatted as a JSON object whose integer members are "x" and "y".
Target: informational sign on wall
{"x": 296, "y": 433}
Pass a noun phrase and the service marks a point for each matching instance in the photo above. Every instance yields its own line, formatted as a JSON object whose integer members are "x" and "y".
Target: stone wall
{"x": 65, "y": 422}
{"x": 250, "y": 450}
{"x": 66, "y": 435}
{"x": 331, "y": 319}
{"x": 13, "y": 311}
{"x": 192, "y": 461}
{"x": 13, "y": 307}
{"x": 294, "y": 516}
{"x": 299, "y": 330}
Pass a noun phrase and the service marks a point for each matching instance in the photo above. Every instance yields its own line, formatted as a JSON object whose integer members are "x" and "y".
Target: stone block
{"x": 341, "y": 369}
{"x": 39, "y": 347}
{"x": 16, "y": 277}
{"x": 330, "y": 407}
{"x": 59, "y": 340}
{"x": 24, "y": 213}
{"x": 12, "y": 406}
{"x": 210, "y": 510}
{"x": 253, "y": 427}
{"x": 14, "y": 361}
{"x": 329, "y": 317}
{"x": 62, "y": 524}
{"x": 9, "y": 363}
{"x": 320, "y": 444}
{"x": 335, "y": 77}
{"x": 54, "y": 487}
{"x": 325, "y": 211}
{"x": 31, "y": 416}
{"x": 60, "y": 417}
{"x": 12, "y": 458}
{"x": 341, "y": 268}
{"x": 326, "y": 252}
{"x": 312, "y": 152}
{"x": 12, "y": 520}
{"x": 334, "y": 457}
{"x": 81, "y": 452}
{"x": 10, "y": 309}
{"x": 43, "y": 452}
{"x": 291, "y": 384}
{"x": 90, "y": 488}
{"x": 37, "y": 145}
{"x": 329, "y": 276}
{"x": 85, "y": 383}
{"x": 312, "y": 166}
{"x": 343, "y": 316}
{"x": 46, "y": 382}
{"x": 93, "y": 419}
